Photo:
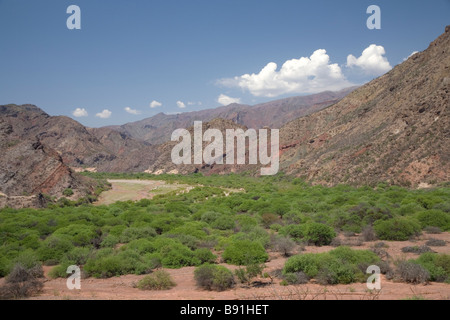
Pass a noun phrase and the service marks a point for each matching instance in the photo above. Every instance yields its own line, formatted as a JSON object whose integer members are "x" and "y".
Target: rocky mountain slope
{"x": 78, "y": 146}
{"x": 274, "y": 114}
{"x": 29, "y": 168}
{"x": 395, "y": 128}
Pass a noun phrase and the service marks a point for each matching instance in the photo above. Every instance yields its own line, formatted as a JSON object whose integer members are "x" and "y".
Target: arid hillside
{"x": 395, "y": 128}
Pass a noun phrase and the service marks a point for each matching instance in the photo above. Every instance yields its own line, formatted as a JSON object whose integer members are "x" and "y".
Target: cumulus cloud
{"x": 372, "y": 61}
{"x": 132, "y": 111}
{"x": 80, "y": 112}
{"x": 226, "y": 100}
{"x": 181, "y": 105}
{"x": 155, "y": 104}
{"x": 304, "y": 75}
{"x": 105, "y": 114}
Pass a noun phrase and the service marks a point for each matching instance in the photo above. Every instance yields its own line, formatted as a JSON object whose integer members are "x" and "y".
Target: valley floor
{"x": 121, "y": 288}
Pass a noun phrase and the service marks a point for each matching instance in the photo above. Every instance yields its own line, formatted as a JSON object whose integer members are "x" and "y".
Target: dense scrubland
{"x": 209, "y": 225}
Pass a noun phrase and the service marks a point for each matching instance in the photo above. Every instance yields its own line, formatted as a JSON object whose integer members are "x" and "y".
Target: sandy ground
{"x": 121, "y": 288}
{"x": 135, "y": 190}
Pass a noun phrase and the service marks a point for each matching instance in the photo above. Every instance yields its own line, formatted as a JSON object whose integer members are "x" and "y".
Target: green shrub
{"x": 245, "y": 275}
{"x": 268, "y": 219}
{"x": 244, "y": 252}
{"x": 214, "y": 277}
{"x": 210, "y": 216}
{"x": 257, "y": 234}
{"x": 205, "y": 255}
{"x": 159, "y": 280}
{"x": 295, "y": 231}
{"x": 340, "y": 265}
{"x": 174, "y": 254}
{"x": 246, "y": 223}
{"x": 318, "y": 234}
{"x": 434, "y": 218}
{"x": 115, "y": 264}
{"x": 438, "y": 266}
{"x": 54, "y": 247}
{"x": 224, "y": 223}
{"x": 397, "y": 229}
{"x": 356, "y": 257}
{"x": 110, "y": 241}
{"x": 133, "y": 233}
{"x": 68, "y": 192}
{"x": 80, "y": 234}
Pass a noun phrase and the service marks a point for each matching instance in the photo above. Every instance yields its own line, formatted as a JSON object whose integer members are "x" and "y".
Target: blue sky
{"x": 192, "y": 52}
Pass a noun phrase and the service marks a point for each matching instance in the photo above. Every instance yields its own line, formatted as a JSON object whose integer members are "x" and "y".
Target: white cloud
{"x": 226, "y": 100}
{"x": 155, "y": 104}
{"x": 132, "y": 111}
{"x": 181, "y": 105}
{"x": 410, "y": 55}
{"x": 105, "y": 114}
{"x": 80, "y": 112}
{"x": 304, "y": 75}
{"x": 372, "y": 61}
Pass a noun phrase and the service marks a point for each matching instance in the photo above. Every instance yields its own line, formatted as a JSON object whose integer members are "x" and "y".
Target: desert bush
{"x": 268, "y": 219}
{"x": 210, "y": 216}
{"x": 283, "y": 244}
{"x": 337, "y": 266}
{"x": 411, "y": 272}
{"x": 214, "y": 277}
{"x": 244, "y": 252}
{"x": 436, "y": 243}
{"x": 296, "y": 278}
{"x": 257, "y": 234}
{"x": 397, "y": 229}
{"x": 275, "y": 227}
{"x": 368, "y": 234}
{"x": 159, "y": 280}
{"x": 295, "y": 231}
{"x": 109, "y": 241}
{"x": 117, "y": 263}
{"x": 176, "y": 255}
{"x": 416, "y": 249}
{"x": 319, "y": 234}
{"x": 79, "y": 234}
{"x": 68, "y": 192}
{"x": 245, "y": 275}
{"x": 224, "y": 222}
{"x": 205, "y": 255}
{"x": 54, "y": 247}
{"x": 438, "y": 266}
{"x": 336, "y": 242}
{"x": 22, "y": 282}
{"x": 434, "y": 218}
{"x": 246, "y": 223}
{"x": 433, "y": 230}
{"x": 133, "y": 233}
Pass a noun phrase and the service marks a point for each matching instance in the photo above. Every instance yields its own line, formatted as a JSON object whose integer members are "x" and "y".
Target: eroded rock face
{"x": 28, "y": 169}
{"x": 395, "y": 128}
